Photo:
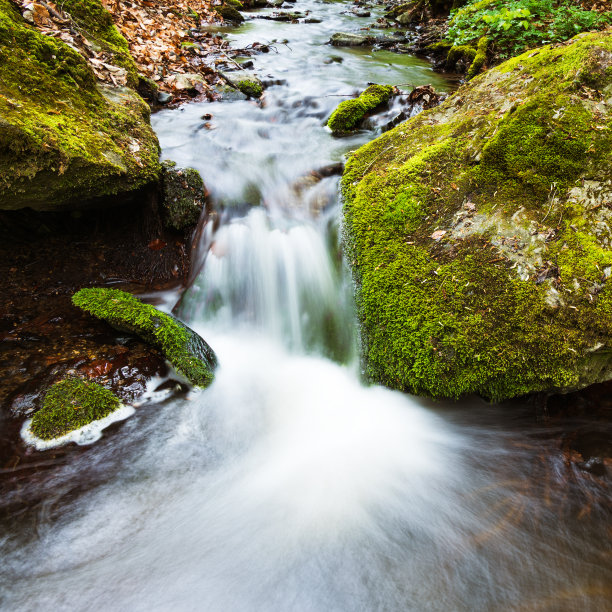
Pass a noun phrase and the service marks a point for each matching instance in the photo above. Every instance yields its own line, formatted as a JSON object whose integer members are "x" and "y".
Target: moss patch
{"x": 250, "y": 88}
{"x": 187, "y": 351}
{"x": 64, "y": 139}
{"x": 479, "y": 235}
{"x": 350, "y": 113}
{"x": 71, "y": 404}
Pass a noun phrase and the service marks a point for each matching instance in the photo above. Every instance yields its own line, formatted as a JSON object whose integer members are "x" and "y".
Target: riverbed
{"x": 289, "y": 484}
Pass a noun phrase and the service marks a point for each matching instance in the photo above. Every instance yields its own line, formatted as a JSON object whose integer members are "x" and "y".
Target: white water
{"x": 288, "y": 485}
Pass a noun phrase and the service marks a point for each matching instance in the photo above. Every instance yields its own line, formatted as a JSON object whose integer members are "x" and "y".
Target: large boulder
{"x": 480, "y": 232}
{"x": 64, "y": 138}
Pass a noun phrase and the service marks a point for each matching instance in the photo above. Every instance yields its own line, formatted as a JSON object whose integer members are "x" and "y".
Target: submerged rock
{"x": 350, "y": 113}
{"x": 183, "y": 201}
{"x": 64, "y": 139}
{"x": 71, "y": 404}
{"x": 480, "y": 232}
{"x": 186, "y": 350}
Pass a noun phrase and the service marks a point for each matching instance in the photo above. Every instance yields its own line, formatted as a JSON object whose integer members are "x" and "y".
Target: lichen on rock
{"x": 65, "y": 139}
{"x": 350, "y": 113}
{"x": 71, "y": 404}
{"x": 186, "y": 350}
{"x": 480, "y": 234}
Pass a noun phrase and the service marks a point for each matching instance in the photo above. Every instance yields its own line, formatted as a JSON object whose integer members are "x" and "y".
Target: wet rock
{"x": 227, "y": 92}
{"x": 497, "y": 232}
{"x": 350, "y": 113}
{"x": 244, "y": 81}
{"x": 346, "y": 39}
{"x": 187, "y": 351}
{"x": 183, "y": 196}
{"x": 164, "y": 97}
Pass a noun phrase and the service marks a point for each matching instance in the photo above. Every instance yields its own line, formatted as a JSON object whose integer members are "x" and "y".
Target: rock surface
{"x": 64, "y": 139}
{"x": 346, "y": 39}
{"x": 184, "y": 196}
{"x": 186, "y": 350}
{"x": 244, "y": 81}
{"x": 480, "y": 232}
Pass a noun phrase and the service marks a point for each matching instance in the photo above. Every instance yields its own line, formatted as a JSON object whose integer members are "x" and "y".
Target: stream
{"x": 288, "y": 484}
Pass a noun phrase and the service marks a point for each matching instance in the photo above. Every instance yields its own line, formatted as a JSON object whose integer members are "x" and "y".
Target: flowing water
{"x": 288, "y": 484}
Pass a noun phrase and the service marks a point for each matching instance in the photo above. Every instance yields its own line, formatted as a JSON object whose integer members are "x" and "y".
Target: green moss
{"x": 235, "y": 3}
{"x": 351, "y": 113}
{"x": 229, "y": 13}
{"x": 479, "y": 59}
{"x": 187, "y": 352}
{"x": 71, "y": 404}
{"x": 97, "y": 25}
{"x": 252, "y": 88}
{"x": 61, "y": 139}
{"x": 457, "y": 53}
{"x": 485, "y": 306}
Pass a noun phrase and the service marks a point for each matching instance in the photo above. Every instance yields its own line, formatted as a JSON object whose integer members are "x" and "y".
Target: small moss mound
{"x": 187, "y": 351}
{"x": 71, "y": 404}
{"x": 253, "y": 89}
{"x": 350, "y": 113}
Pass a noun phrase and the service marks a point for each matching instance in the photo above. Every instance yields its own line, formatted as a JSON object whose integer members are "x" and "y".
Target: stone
{"x": 65, "y": 140}
{"x": 183, "y": 196}
{"x": 346, "y": 39}
{"x": 245, "y": 81}
{"x": 480, "y": 234}
{"x": 185, "y": 350}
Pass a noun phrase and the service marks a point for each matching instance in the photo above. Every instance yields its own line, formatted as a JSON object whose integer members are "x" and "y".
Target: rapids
{"x": 288, "y": 484}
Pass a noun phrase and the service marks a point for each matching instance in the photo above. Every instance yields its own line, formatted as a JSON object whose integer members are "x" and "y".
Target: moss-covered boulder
{"x": 64, "y": 139}
{"x": 350, "y": 114}
{"x": 186, "y": 350}
{"x": 183, "y": 196}
{"x": 480, "y": 232}
{"x": 71, "y": 404}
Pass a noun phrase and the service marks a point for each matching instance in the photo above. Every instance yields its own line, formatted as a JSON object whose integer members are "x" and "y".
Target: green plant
{"x": 513, "y": 26}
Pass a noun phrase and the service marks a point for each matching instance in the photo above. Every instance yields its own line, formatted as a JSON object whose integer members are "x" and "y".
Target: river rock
{"x": 244, "y": 81}
{"x": 183, "y": 196}
{"x": 187, "y": 82}
{"x": 480, "y": 232}
{"x": 346, "y": 39}
{"x": 64, "y": 139}
{"x": 350, "y": 114}
{"x": 187, "y": 351}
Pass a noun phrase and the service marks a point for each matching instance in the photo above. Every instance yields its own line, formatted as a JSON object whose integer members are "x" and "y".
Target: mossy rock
{"x": 229, "y": 13}
{"x": 71, "y": 404}
{"x": 245, "y": 82}
{"x": 64, "y": 139}
{"x": 480, "y": 232}
{"x": 186, "y": 350}
{"x": 350, "y": 114}
{"x": 183, "y": 196}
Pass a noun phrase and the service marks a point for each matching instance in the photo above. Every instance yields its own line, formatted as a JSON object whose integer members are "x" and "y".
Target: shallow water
{"x": 288, "y": 484}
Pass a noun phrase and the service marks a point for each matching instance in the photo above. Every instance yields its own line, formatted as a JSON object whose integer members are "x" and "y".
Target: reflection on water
{"x": 288, "y": 485}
